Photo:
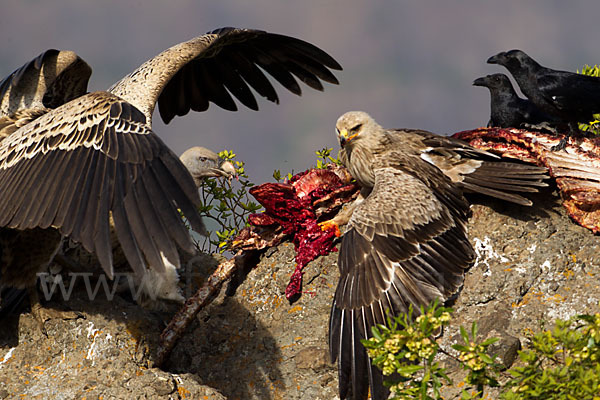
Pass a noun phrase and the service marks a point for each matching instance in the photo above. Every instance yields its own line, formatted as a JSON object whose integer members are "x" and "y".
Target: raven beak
{"x": 479, "y": 82}
{"x": 497, "y": 59}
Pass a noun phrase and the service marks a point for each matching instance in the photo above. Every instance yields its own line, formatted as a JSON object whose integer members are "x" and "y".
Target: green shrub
{"x": 562, "y": 363}
{"x": 592, "y": 126}
{"x": 325, "y": 158}
{"x": 405, "y": 347}
{"x": 228, "y": 204}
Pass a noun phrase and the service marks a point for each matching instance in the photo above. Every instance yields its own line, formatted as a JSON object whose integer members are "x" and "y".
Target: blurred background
{"x": 409, "y": 64}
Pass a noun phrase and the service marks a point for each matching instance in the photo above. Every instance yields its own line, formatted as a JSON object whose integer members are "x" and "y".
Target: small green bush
{"x": 228, "y": 203}
{"x": 405, "y": 347}
{"x": 562, "y": 363}
{"x": 324, "y": 158}
{"x": 592, "y": 126}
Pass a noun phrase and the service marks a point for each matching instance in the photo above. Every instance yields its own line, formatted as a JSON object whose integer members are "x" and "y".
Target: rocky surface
{"x": 533, "y": 265}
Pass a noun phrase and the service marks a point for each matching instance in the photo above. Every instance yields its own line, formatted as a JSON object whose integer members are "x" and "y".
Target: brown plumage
{"x": 475, "y": 170}
{"x": 51, "y": 79}
{"x": 94, "y": 157}
{"x": 405, "y": 243}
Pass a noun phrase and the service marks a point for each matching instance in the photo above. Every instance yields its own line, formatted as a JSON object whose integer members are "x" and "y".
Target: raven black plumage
{"x": 569, "y": 96}
{"x": 507, "y": 109}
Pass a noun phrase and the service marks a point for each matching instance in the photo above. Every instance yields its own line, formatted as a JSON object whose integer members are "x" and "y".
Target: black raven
{"x": 569, "y": 96}
{"x": 508, "y": 110}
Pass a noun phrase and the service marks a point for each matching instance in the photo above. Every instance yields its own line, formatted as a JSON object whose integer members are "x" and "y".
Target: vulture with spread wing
{"x": 73, "y": 164}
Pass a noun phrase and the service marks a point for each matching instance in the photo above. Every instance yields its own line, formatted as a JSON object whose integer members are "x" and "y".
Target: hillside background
{"x": 409, "y": 64}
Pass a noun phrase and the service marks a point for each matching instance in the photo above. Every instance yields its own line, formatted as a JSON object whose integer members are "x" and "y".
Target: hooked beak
{"x": 227, "y": 169}
{"x": 344, "y": 137}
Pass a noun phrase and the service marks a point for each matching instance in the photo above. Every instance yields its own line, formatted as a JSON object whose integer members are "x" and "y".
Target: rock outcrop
{"x": 534, "y": 265}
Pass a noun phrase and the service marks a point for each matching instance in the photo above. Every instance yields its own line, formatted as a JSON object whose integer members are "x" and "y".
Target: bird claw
{"x": 330, "y": 224}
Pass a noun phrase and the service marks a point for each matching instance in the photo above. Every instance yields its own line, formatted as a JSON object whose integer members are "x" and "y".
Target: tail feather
{"x": 502, "y": 179}
{"x": 513, "y": 198}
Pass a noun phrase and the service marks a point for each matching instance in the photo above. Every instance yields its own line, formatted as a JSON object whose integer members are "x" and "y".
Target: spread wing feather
{"x": 92, "y": 159}
{"x": 221, "y": 66}
{"x": 406, "y": 243}
{"x": 49, "y": 80}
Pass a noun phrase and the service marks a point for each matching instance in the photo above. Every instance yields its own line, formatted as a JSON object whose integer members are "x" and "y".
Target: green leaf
{"x": 474, "y": 330}
{"x": 463, "y": 333}
{"x": 490, "y": 341}
{"x": 409, "y": 369}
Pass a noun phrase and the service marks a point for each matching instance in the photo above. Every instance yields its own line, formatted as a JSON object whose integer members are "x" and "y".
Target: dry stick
{"x": 204, "y": 296}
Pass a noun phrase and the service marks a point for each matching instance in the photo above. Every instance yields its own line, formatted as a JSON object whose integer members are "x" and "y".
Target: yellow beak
{"x": 345, "y": 138}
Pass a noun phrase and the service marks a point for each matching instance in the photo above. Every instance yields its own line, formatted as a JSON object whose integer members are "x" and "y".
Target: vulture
{"x": 76, "y": 165}
{"x": 406, "y": 239}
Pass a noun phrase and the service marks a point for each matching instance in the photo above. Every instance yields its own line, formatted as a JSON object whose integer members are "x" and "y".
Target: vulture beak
{"x": 227, "y": 170}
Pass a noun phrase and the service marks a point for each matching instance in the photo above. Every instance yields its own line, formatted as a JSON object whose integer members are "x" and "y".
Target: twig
{"x": 204, "y": 296}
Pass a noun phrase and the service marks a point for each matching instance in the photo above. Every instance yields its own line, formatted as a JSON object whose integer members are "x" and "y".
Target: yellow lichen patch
{"x": 557, "y": 298}
{"x": 278, "y": 301}
{"x": 573, "y": 257}
{"x": 568, "y": 273}
{"x": 40, "y": 369}
{"x": 183, "y": 392}
{"x": 295, "y": 309}
{"x": 508, "y": 269}
{"x": 287, "y": 346}
{"x": 528, "y": 331}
